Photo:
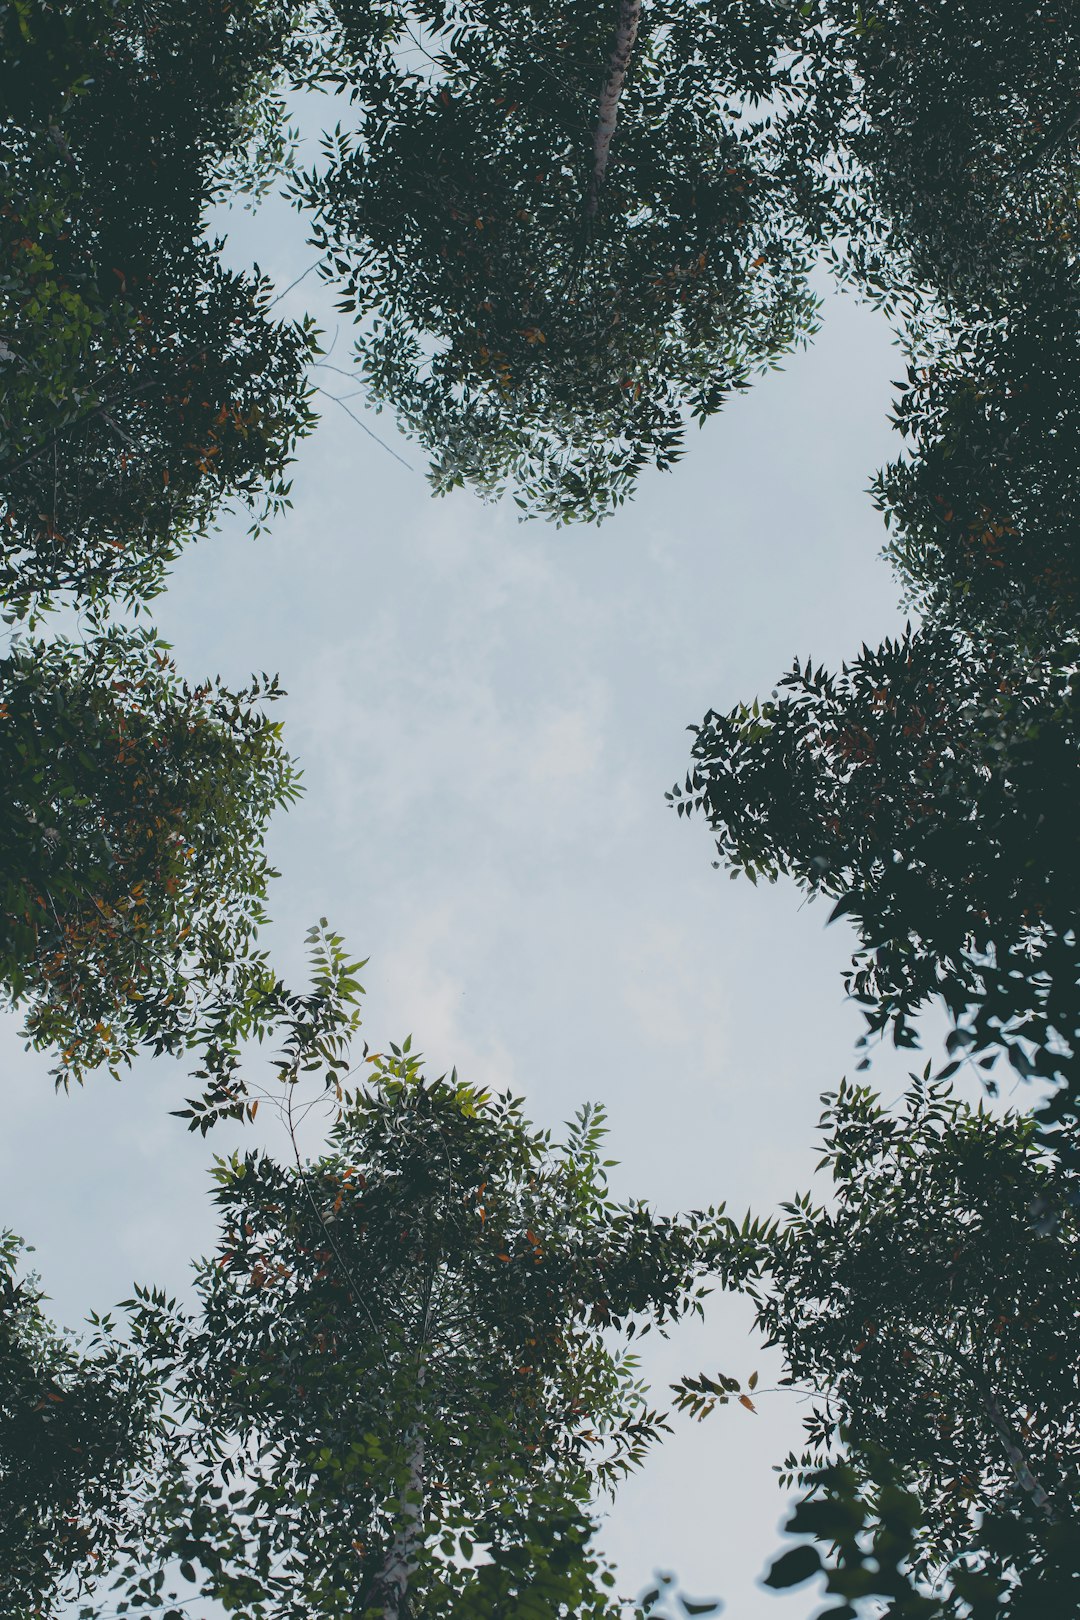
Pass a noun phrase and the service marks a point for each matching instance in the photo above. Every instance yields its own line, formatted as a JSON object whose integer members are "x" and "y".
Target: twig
{"x": 363, "y": 426}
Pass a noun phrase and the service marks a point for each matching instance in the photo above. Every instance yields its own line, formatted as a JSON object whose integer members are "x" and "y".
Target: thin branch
{"x": 364, "y": 427}
{"x": 285, "y": 291}
{"x": 1040, "y": 1496}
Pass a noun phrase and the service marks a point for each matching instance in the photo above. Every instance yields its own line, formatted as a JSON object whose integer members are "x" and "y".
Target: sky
{"x": 488, "y": 715}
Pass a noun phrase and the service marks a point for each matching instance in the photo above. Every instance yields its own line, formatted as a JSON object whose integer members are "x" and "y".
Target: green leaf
{"x": 794, "y": 1567}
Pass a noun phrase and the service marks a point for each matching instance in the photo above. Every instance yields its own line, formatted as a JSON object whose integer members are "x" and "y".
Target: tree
{"x": 132, "y": 872}
{"x": 930, "y": 1308}
{"x": 867, "y": 1517}
{"x": 403, "y": 1357}
{"x": 145, "y": 385}
{"x": 926, "y": 789}
{"x": 986, "y": 510}
{"x": 560, "y": 228}
{"x": 78, "y": 1425}
{"x": 947, "y": 137}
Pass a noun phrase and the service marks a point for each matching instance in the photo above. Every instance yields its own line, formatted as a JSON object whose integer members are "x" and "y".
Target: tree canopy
{"x": 563, "y": 232}
{"x": 985, "y": 509}
{"x": 144, "y": 384}
{"x": 78, "y": 1424}
{"x": 132, "y": 869}
{"x": 561, "y": 229}
{"x": 946, "y": 140}
{"x": 405, "y": 1352}
{"x": 928, "y": 789}
{"x": 929, "y": 1305}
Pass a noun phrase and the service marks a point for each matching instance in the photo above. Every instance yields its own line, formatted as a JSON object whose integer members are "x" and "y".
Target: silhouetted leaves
{"x": 143, "y": 384}
{"x": 529, "y": 343}
{"x": 930, "y": 787}
{"x": 77, "y": 1424}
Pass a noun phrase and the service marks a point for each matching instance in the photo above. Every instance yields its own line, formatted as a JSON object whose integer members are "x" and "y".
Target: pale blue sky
{"x": 488, "y": 715}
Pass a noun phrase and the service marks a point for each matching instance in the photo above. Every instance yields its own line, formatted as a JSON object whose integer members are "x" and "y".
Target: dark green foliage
{"x": 144, "y": 385}
{"x": 403, "y": 1353}
{"x": 77, "y": 1425}
{"x": 529, "y": 340}
{"x": 950, "y": 130}
{"x": 986, "y": 512}
{"x": 931, "y": 1307}
{"x": 930, "y": 789}
{"x": 132, "y": 874}
{"x": 869, "y": 1520}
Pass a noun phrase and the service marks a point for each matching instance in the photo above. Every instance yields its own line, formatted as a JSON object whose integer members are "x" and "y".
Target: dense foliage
{"x": 563, "y": 231}
{"x": 403, "y": 1354}
{"x": 77, "y": 1427}
{"x": 866, "y": 1519}
{"x": 930, "y": 790}
{"x": 143, "y": 383}
{"x": 943, "y": 1446}
{"x": 132, "y": 871}
{"x": 948, "y": 1341}
{"x": 985, "y": 509}
{"x": 539, "y": 328}
{"x": 946, "y": 141}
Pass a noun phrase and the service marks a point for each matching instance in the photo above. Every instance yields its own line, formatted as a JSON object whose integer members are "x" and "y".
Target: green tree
{"x": 947, "y": 141}
{"x": 930, "y": 1308}
{"x": 144, "y": 385}
{"x": 865, "y": 1515}
{"x": 132, "y": 871}
{"x": 78, "y": 1427}
{"x": 561, "y": 229}
{"x": 928, "y": 790}
{"x": 404, "y": 1360}
{"x": 985, "y": 510}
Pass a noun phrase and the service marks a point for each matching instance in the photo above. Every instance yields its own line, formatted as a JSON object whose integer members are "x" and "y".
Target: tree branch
{"x": 1040, "y": 1496}
{"x": 618, "y": 62}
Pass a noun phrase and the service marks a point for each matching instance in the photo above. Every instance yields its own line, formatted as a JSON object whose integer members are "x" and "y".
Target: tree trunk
{"x": 1020, "y": 1467}
{"x": 392, "y": 1585}
{"x": 1040, "y": 1496}
{"x": 618, "y": 62}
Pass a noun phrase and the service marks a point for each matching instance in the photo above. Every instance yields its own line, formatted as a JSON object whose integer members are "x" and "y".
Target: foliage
{"x": 132, "y": 873}
{"x": 930, "y": 1307}
{"x": 316, "y": 1029}
{"x": 403, "y": 1362}
{"x": 77, "y": 1424}
{"x": 534, "y": 334}
{"x": 868, "y": 1520}
{"x": 144, "y": 384}
{"x": 949, "y": 139}
{"x": 986, "y": 511}
{"x": 868, "y": 1517}
{"x": 928, "y": 789}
